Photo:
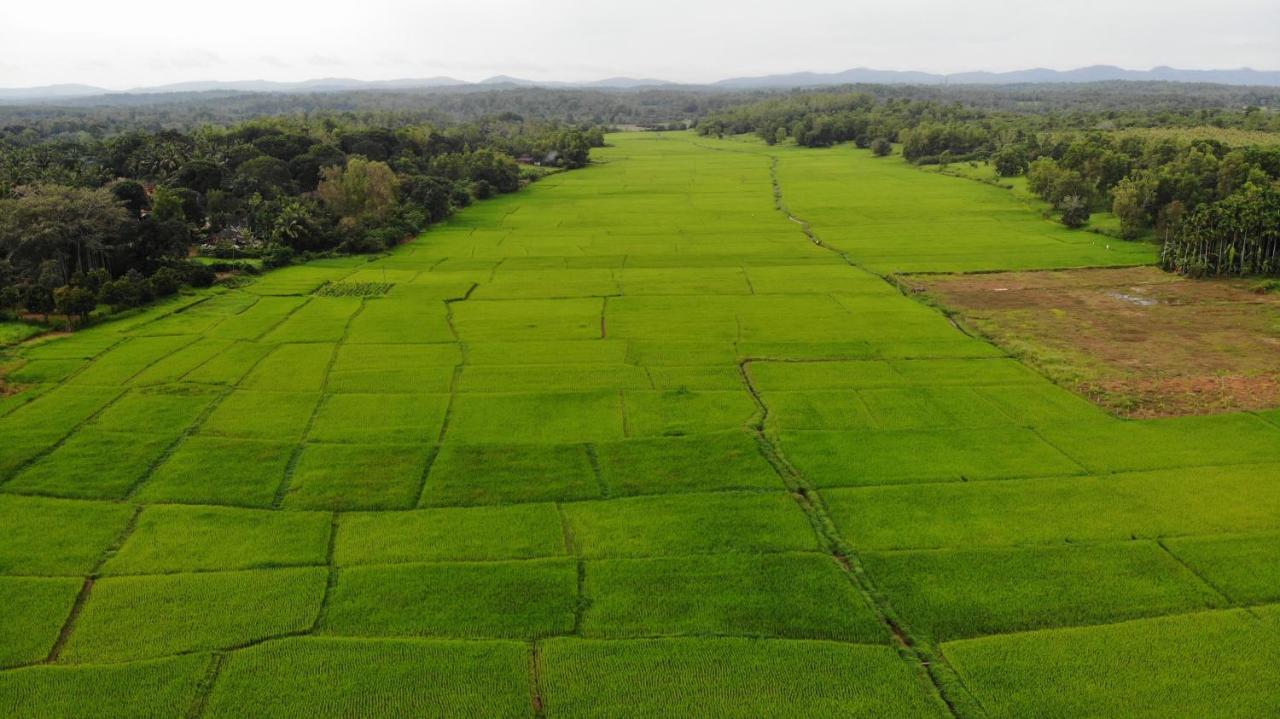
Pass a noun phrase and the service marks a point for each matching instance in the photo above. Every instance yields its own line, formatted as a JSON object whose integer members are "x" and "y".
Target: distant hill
{"x": 327, "y": 84}
{"x": 859, "y": 75}
{"x": 45, "y": 92}
{"x": 1095, "y": 73}
{"x": 613, "y": 82}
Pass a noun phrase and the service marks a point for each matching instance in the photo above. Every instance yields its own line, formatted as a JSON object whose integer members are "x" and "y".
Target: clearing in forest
{"x": 629, "y": 443}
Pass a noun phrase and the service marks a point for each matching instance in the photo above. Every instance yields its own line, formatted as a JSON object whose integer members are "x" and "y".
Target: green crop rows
{"x": 652, "y": 438}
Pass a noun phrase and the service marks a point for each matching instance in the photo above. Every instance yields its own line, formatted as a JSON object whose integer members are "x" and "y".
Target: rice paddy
{"x": 652, "y": 438}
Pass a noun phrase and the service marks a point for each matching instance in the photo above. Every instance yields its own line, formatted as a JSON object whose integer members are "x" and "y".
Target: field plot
{"x": 631, "y": 442}
{"x": 1140, "y": 342}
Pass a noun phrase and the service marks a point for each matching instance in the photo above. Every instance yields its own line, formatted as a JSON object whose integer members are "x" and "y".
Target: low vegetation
{"x": 654, "y": 437}
{"x": 1138, "y": 341}
{"x": 1210, "y": 198}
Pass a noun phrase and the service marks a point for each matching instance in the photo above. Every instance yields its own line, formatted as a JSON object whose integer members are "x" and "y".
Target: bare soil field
{"x": 1138, "y": 341}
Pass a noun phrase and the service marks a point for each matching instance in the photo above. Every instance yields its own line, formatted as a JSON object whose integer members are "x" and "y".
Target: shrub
{"x": 881, "y": 147}
{"x": 74, "y": 301}
{"x": 1010, "y": 161}
{"x": 1075, "y": 211}
{"x": 199, "y": 275}
{"x": 165, "y": 282}
{"x": 276, "y": 256}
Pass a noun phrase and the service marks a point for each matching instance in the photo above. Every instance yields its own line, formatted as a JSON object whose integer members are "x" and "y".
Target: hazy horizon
{"x": 88, "y": 43}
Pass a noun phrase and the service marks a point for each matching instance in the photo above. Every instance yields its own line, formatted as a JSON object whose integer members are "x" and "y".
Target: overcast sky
{"x": 119, "y": 45}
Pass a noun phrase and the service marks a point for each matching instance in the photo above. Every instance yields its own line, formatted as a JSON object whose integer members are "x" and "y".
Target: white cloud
{"x": 685, "y": 40}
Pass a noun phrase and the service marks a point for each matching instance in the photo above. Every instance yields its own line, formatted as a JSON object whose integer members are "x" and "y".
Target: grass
{"x": 839, "y": 459}
{"x": 130, "y": 618}
{"x": 1246, "y": 568}
{"x": 120, "y": 364}
{"x": 261, "y": 415}
{"x": 794, "y": 595}
{"x": 538, "y": 417}
{"x": 589, "y": 450}
{"x": 156, "y": 689}
{"x": 957, "y": 593}
{"x": 1204, "y": 665}
{"x": 256, "y": 320}
{"x": 13, "y": 332}
{"x": 216, "y": 470}
{"x": 434, "y": 535}
{"x": 35, "y": 610}
{"x": 685, "y": 464}
{"x": 689, "y": 524}
{"x": 51, "y": 537}
{"x": 360, "y": 677}
{"x": 291, "y": 368}
{"x": 499, "y": 600}
{"x": 76, "y": 468}
{"x": 166, "y": 409}
{"x": 497, "y": 474}
{"x": 374, "y": 418}
{"x": 1046, "y": 511}
{"x": 728, "y": 678}
{"x": 353, "y": 476}
{"x": 179, "y": 538}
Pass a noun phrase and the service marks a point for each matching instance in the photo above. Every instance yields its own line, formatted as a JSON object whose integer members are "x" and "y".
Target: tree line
{"x": 112, "y": 221}
{"x": 1193, "y": 192}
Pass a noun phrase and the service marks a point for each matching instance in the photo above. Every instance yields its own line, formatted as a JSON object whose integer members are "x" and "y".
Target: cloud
{"x": 325, "y": 61}
{"x": 574, "y": 40}
{"x": 193, "y": 59}
{"x": 273, "y": 61}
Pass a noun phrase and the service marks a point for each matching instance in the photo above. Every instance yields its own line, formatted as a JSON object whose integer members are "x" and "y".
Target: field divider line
{"x": 566, "y": 531}
{"x": 622, "y": 408}
{"x": 66, "y": 381}
{"x": 86, "y": 589}
{"x": 432, "y": 455}
{"x": 69, "y": 625}
{"x": 493, "y": 271}
{"x": 163, "y": 357}
{"x": 296, "y": 455}
{"x": 176, "y": 311}
{"x": 195, "y": 427}
{"x": 331, "y": 580}
{"x": 535, "y": 681}
{"x": 172, "y": 447}
{"x": 205, "y": 687}
{"x": 237, "y": 313}
{"x": 924, "y": 658}
{"x": 593, "y": 457}
{"x": 291, "y": 466}
{"x": 64, "y": 438}
{"x": 275, "y": 325}
{"x": 1084, "y": 469}
{"x": 580, "y": 607}
{"x": 465, "y": 350}
{"x": 1198, "y": 575}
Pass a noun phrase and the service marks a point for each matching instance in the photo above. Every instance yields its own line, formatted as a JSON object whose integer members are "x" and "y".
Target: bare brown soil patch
{"x": 1139, "y": 341}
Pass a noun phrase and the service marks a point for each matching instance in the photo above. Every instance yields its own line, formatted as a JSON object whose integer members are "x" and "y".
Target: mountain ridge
{"x": 857, "y": 75}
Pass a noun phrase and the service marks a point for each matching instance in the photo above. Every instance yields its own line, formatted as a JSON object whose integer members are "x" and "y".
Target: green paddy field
{"x": 655, "y": 438}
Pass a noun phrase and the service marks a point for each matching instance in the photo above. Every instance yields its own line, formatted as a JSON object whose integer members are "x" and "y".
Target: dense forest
{"x": 111, "y": 221}
{"x": 1211, "y": 203}
{"x": 1080, "y": 105}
